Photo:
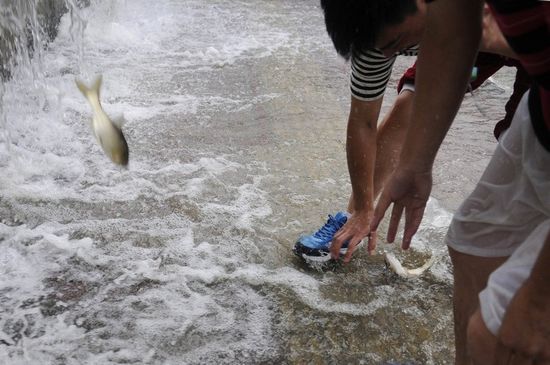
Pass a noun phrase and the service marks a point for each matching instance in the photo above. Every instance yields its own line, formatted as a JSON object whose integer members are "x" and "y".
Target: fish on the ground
{"x": 396, "y": 266}
{"x": 108, "y": 134}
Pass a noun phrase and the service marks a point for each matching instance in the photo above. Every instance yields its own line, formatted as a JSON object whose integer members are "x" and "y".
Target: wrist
{"x": 416, "y": 159}
{"x": 363, "y": 206}
{"x": 414, "y": 165}
{"x": 363, "y": 202}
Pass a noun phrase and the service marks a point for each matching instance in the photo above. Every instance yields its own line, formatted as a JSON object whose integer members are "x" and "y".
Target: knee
{"x": 481, "y": 343}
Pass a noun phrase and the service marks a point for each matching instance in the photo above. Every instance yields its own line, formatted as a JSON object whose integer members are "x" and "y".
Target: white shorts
{"x": 508, "y": 213}
{"x": 505, "y": 281}
{"x": 512, "y": 197}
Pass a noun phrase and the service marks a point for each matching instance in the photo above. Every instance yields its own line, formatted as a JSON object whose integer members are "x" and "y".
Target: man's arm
{"x": 390, "y": 135}
{"x": 369, "y": 77}
{"x": 390, "y": 138}
{"x": 361, "y": 150}
{"x": 361, "y": 156}
{"x": 493, "y": 40}
{"x": 525, "y": 329}
{"x": 444, "y": 68}
{"x": 448, "y": 48}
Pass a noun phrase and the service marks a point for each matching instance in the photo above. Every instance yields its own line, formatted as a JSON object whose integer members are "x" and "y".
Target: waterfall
{"x": 26, "y": 28}
{"x": 235, "y": 119}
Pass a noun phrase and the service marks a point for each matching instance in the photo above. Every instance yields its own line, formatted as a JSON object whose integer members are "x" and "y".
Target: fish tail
{"x": 428, "y": 263}
{"x": 91, "y": 93}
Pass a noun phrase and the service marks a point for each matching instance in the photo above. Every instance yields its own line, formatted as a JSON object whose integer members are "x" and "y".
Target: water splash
{"x": 77, "y": 27}
{"x": 186, "y": 256}
{"x": 26, "y": 28}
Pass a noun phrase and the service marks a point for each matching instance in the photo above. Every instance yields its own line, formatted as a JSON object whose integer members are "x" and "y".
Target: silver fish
{"x": 402, "y": 271}
{"x": 108, "y": 134}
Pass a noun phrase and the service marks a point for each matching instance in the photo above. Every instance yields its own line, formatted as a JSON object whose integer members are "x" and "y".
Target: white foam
{"x": 175, "y": 274}
{"x": 52, "y": 148}
{"x": 249, "y": 206}
{"x": 308, "y": 289}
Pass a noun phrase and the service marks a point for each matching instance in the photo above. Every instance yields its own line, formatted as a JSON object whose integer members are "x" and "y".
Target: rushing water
{"x": 235, "y": 117}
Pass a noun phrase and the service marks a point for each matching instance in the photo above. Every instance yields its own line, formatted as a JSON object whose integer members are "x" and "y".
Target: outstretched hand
{"x": 409, "y": 191}
{"x": 356, "y": 228}
{"x": 524, "y": 336}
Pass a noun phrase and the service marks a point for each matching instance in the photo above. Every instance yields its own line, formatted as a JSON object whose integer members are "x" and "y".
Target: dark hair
{"x": 355, "y": 24}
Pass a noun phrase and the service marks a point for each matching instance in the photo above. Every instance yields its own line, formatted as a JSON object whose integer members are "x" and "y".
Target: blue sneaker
{"x": 316, "y": 247}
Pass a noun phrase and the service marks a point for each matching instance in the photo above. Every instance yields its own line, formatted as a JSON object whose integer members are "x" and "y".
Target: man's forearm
{"x": 449, "y": 46}
{"x": 390, "y": 137}
{"x": 361, "y": 151}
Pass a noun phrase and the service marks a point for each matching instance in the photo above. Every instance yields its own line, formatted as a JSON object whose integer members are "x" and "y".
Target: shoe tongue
{"x": 334, "y": 223}
{"x": 330, "y": 227}
{"x": 341, "y": 217}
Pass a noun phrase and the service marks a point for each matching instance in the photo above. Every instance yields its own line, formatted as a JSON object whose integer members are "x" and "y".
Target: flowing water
{"x": 235, "y": 115}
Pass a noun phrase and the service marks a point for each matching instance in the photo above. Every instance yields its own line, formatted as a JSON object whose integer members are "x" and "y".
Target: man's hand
{"x": 356, "y": 228}
{"x": 407, "y": 190}
{"x": 524, "y": 336}
{"x": 492, "y": 39}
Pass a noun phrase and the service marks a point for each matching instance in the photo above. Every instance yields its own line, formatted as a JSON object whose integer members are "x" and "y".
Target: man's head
{"x": 390, "y": 25}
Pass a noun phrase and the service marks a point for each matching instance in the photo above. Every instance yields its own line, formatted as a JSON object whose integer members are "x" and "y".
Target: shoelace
{"x": 329, "y": 229}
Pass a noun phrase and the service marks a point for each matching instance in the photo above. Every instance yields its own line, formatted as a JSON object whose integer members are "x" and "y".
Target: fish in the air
{"x": 108, "y": 134}
{"x": 396, "y": 266}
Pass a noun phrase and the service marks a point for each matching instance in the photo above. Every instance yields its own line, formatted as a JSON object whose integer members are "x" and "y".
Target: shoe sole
{"x": 313, "y": 255}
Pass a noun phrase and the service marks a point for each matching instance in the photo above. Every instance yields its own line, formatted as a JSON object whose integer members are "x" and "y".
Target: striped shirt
{"x": 371, "y": 71}
{"x": 526, "y": 26}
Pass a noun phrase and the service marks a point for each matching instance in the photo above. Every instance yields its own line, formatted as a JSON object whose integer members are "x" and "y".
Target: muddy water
{"x": 235, "y": 117}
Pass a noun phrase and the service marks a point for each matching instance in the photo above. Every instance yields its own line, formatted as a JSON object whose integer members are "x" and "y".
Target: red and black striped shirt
{"x": 526, "y": 26}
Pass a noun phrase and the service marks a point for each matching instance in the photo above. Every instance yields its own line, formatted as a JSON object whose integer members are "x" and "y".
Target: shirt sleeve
{"x": 407, "y": 80}
{"x": 370, "y": 73}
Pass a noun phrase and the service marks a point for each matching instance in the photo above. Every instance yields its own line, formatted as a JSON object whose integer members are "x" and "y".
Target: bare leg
{"x": 470, "y": 277}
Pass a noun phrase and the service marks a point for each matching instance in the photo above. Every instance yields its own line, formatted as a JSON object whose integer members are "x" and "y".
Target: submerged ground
{"x": 235, "y": 117}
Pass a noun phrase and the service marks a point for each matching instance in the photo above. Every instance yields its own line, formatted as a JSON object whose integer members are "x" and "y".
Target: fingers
{"x": 396, "y": 213}
{"x": 372, "y": 240}
{"x": 351, "y": 249}
{"x": 506, "y": 356}
{"x": 337, "y": 242}
{"x": 383, "y": 204}
{"x": 413, "y": 218}
{"x": 522, "y": 360}
{"x": 503, "y": 355}
{"x": 519, "y": 359}
{"x": 351, "y": 234}
{"x": 339, "y": 239}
